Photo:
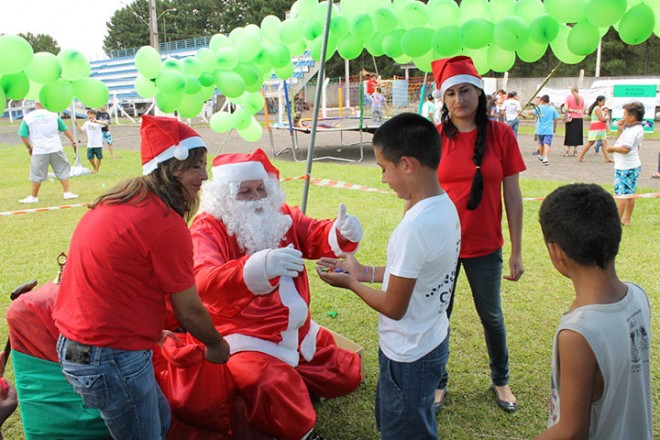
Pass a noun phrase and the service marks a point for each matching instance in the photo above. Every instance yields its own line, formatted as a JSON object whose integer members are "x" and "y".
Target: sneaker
{"x": 545, "y": 162}
{"x": 540, "y": 158}
{"x": 29, "y": 199}
{"x": 69, "y": 196}
{"x": 535, "y": 153}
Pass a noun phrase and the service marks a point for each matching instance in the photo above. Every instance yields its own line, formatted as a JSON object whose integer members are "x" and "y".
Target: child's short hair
{"x": 635, "y": 109}
{"x": 545, "y": 98}
{"x": 582, "y": 218}
{"x": 409, "y": 134}
{"x": 91, "y": 111}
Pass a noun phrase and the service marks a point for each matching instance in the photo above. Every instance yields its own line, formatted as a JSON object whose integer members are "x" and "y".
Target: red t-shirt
{"x": 371, "y": 85}
{"x": 481, "y": 229}
{"x": 123, "y": 262}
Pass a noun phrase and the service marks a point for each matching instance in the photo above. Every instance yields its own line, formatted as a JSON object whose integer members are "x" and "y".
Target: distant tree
{"x": 42, "y": 42}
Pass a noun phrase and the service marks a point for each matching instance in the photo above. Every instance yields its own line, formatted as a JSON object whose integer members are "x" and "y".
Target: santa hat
{"x": 239, "y": 167}
{"x": 164, "y": 138}
{"x": 448, "y": 72}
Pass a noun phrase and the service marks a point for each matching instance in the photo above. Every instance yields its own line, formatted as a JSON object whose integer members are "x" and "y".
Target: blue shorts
{"x": 625, "y": 181}
{"x": 544, "y": 139}
{"x": 94, "y": 152}
{"x": 107, "y": 137}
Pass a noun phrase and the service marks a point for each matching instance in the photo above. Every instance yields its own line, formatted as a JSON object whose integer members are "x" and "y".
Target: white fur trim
{"x": 436, "y": 94}
{"x": 332, "y": 240}
{"x": 308, "y": 344}
{"x": 254, "y": 274}
{"x": 188, "y": 143}
{"x": 240, "y": 172}
{"x": 460, "y": 79}
{"x": 238, "y": 343}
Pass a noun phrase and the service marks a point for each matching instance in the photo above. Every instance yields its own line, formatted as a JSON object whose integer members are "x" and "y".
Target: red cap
{"x": 449, "y": 72}
{"x": 238, "y": 167}
{"x": 164, "y": 138}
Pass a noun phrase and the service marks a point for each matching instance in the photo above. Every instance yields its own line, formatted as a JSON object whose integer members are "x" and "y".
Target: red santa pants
{"x": 276, "y": 395}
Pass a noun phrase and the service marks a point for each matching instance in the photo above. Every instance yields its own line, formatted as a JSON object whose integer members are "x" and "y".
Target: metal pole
{"x": 597, "y": 74}
{"x": 315, "y": 117}
{"x": 153, "y": 26}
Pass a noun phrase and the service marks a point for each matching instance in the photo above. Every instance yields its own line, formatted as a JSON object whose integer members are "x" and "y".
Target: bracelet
{"x": 366, "y": 272}
{"x": 373, "y": 274}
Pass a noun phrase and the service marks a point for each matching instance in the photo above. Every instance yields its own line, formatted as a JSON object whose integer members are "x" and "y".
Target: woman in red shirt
{"x": 480, "y": 161}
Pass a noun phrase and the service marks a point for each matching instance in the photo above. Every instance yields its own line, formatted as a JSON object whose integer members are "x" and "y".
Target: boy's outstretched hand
{"x": 335, "y": 278}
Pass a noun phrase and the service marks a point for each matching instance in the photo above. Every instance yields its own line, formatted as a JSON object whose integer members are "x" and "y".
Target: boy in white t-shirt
{"x": 601, "y": 370}
{"x": 627, "y": 164}
{"x": 412, "y": 326}
{"x": 93, "y": 129}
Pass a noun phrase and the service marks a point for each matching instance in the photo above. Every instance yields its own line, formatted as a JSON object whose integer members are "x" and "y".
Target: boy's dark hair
{"x": 635, "y": 109}
{"x": 545, "y": 98}
{"x": 409, "y": 134}
{"x": 91, "y": 111}
{"x": 582, "y": 218}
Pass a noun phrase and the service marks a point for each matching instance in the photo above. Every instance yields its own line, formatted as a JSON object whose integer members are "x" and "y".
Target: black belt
{"x": 77, "y": 353}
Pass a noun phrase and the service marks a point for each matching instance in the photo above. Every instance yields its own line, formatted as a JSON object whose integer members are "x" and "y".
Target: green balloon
{"x": 339, "y": 26}
{"x": 350, "y": 47}
{"x": 543, "y": 29}
{"x": 414, "y": 15}
{"x": 235, "y": 34}
{"x": 417, "y": 42}
{"x": 307, "y": 9}
{"x": 637, "y": 24}
{"x": 500, "y": 60}
{"x": 278, "y": 54}
{"x": 242, "y": 119}
{"x": 172, "y": 64}
{"x": 3, "y": 98}
{"x": 35, "y": 89}
{"x": 316, "y": 47}
{"x": 321, "y": 12}
{"x": 362, "y": 27}
{"x": 291, "y": 31}
{"x": 251, "y": 74}
{"x": 500, "y": 9}
{"x": 91, "y": 92}
{"x": 16, "y": 54}
{"x": 442, "y": 13}
{"x": 192, "y": 66}
{"x": 168, "y": 103}
{"x": 603, "y": 13}
{"x": 226, "y": 58}
{"x": 56, "y": 96}
{"x": 230, "y": 84}
{"x": 352, "y": 8}
{"x": 567, "y": 11}
{"x": 284, "y": 72}
{"x": 583, "y": 38}
{"x": 298, "y": 48}
{"x": 145, "y": 87}
{"x": 423, "y": 62}
{"x": 446, "y": 41}
{"x": 191, "y": 105}
{"x": 221, "y": 122}
{"x": 479, "y": 59}
{"x": 74, "y": 64}
{"x": 45, "y": 68}
{"x": 473, "y": 10}
{"x": 375, "y": 45}
{"x": 253, "y": 132}
{"x": 392, "y": 43}
{"x": 384, "y": 20}
{"x": 528, "y": 10}
{"x": 207, "y": 79}
{"x": 15, "y": 86}
{"x": 532, "y": 51}
{"x": 403, "y": 59}
{"x": 560, "y": 48}
{"x": 254, "y": 102}
{"x": 311, "y": 30}
{"x": 193, "y": 86}
{"x": 207, "y": 57}
{"x": 218, "y": 41}
{"x": 171, "y": 82}
{"x": 147, "y": 62}
{"x": 270, "y": 26}
{"x": 477, "y": 33}
{"x": 248, "y": 46}
{"x": 511, "y": 33}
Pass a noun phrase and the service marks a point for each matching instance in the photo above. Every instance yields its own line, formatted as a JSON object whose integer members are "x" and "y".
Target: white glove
{"x": 348, "y": 225}
{"x": 284, "y": 262}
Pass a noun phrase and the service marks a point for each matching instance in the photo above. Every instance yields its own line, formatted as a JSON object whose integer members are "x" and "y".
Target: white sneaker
{"x": 69, "y": 195}
{"x": 29, "y": 199}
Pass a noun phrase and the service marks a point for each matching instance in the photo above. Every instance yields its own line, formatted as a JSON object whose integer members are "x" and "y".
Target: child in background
{"x": 428, "y": 108}
{"x": 627, "y": 164}
{"x": 377, "y": 103}
{"x": 92, "y": 128}
{"x": 601, "y": 374}
{"x": 546, "y": 126}
{"x": 412, "y": 325}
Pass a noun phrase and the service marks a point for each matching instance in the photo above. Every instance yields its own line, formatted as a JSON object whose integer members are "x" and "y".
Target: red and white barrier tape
{"x": 49, "y": 208}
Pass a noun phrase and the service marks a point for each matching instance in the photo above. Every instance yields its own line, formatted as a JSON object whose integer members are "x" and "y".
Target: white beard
{"x": 257, "y": 224}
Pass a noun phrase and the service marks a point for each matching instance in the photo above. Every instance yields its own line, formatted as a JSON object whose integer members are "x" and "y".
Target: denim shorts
{"x": 625, "y": 181}
{"x": 545, "y": 139}
{"x": 94, "y": 152}
{"x": 121, "y": 384}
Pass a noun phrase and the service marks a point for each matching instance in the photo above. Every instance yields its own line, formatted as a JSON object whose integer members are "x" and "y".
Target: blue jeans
{"x": 485, "y": 277}
{"x": 514, "y": 125}
{"x": 119, "y": 383}
{"x": 404, "y": 396}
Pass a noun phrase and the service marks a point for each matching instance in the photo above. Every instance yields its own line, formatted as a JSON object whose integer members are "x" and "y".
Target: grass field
{"x": 31, "y": 242}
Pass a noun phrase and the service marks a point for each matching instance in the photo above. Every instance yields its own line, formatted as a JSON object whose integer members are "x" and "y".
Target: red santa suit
{"x": 278, "y": 351}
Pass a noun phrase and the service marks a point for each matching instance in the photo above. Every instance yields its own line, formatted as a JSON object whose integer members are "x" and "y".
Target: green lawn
{"x": 532, "y": 306}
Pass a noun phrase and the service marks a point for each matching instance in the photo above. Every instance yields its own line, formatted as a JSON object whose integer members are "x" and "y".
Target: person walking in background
{"x": 480, "y": 167}
{"x": 512, "y": 111}
{"x": 377, "y": 103}
{"x": 597, "y": 130}
{"x": 546, "y": 126}
{"x": 501, "y": 97}
{"x": 627, "y": 165}
{"x": 656, "y": 175}
{"x": 428, "y": 108}
{"x": 573, "y": 117}
{"x": 103, "y": 116}
{"x": 39, "y": 131}
{"x": 131, "y": 256}
{"x": 92, "y": 129}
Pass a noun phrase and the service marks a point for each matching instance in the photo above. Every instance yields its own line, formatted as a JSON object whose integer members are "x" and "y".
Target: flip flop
{"x": 438, "y": 405}
{"x": 655, "y": 176}
{"x": 509, "y": 407}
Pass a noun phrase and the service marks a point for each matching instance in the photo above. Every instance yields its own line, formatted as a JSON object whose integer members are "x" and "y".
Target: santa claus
{"x": 249, "y": 248}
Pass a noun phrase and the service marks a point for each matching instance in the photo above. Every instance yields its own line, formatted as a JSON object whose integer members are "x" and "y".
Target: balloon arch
{"x": 493, "y": 33}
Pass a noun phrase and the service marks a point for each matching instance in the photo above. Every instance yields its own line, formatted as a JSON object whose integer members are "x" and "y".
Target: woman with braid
{"x": 480, "y": 161}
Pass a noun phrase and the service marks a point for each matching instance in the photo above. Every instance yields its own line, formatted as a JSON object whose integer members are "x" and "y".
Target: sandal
{"x": 655, "y": 176}
{"x": 575, "y": 153}
{"x": 437, "y": 405}
{"x": 565, "y": 154}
